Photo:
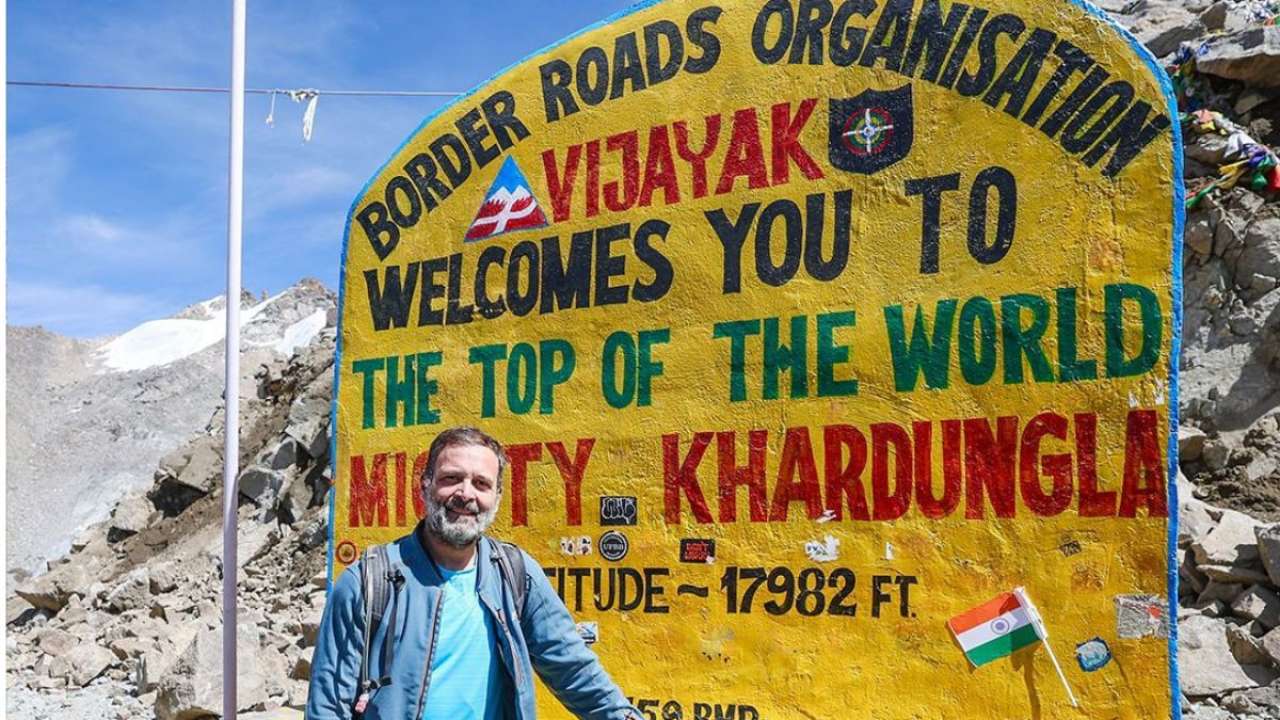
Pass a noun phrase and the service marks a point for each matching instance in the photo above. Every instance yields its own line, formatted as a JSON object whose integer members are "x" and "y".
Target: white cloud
{"x": 92, "y": 229}
{"x": 37, "y": 162}
{"x": 296, "y": 182}
{"x": 78, "y": 310}
{"x": 111, "y": 244}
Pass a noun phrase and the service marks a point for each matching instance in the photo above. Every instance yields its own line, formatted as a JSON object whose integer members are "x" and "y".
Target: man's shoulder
{"x": 347, "y": 587}
{"x": 349, "y": 581}
{"x": 530, "y": 564}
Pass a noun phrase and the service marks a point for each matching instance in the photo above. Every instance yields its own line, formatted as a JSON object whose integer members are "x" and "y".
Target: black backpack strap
{"x": 376, "y": 578}
{"x": 511, "y": 565}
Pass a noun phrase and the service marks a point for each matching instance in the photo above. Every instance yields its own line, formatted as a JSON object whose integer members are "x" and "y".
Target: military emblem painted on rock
{"x": 871, "y": 131}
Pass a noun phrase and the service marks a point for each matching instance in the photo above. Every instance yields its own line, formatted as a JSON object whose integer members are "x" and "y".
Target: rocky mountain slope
{"x": 125, "y": 624}
{"x": 143, "y": 583}
{"x": 89, "y": 420}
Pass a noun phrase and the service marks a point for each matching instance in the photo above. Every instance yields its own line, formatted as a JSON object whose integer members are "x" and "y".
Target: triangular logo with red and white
{"x": 508, "y": 206}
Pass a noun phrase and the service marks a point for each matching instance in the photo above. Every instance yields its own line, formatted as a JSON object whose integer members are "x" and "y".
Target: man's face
{"x": 462, "y": 498}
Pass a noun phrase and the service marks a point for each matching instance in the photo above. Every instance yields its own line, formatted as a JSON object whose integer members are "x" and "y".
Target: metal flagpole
{"x": 231, "y": 393}
{"x": 1038, "y": 623}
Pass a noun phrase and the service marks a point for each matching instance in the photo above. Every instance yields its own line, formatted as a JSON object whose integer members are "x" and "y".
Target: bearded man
{"x": 458, "y": 639}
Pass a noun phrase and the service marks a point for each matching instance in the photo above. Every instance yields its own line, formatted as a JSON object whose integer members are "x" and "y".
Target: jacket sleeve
{"x": 562, "y": 659}
{"x": 335, "y": 664}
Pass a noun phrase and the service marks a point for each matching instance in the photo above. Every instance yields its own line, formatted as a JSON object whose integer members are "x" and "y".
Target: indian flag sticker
{"x": 994, "y": 629}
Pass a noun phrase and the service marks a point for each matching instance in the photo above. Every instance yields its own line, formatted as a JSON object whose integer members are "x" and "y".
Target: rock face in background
{"x": 126, "y": 621}
{"x": 88, "y": 421}
{"x": 132, "y": 613}
{"x": 1225, "y": 59}
{"x": 1252, "y": 56}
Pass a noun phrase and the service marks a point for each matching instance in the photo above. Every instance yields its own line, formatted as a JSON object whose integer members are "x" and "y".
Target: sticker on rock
{"x": 1141, "y": 616}
{"x": 575, "y": 546}
{"x": 696, "y": 550}
{"x": 824, "y": 550}
{"x": 346, "y": 552}
{"x": 614, "y": 546}
{"x": 1073, "y": 543}
{"x": 588, "y": 631}
{"x": 1093, "y": 654}
{"x": 617, "y": 510}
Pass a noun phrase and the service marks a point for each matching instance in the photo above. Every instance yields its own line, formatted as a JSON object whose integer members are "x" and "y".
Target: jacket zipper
{"x": 426, "y": 668}
{"x": 510, "y": 642}
{"x": 515, "y": 661}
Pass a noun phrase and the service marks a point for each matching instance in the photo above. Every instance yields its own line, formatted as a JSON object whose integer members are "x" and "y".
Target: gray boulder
{"x": 193, "y": 686}
{"x": 1163, "y": 29}
{"x": 1246, "y": 648}
{"x": 80, "y": 665}
{"x": 1261, "y": 252}
{"x": 261, "y": 484}
{"x": 55, "y": 642}
{"x": 132, "y": 592}
{"x": 282, "y": 455}
{"x": 1206, "y": 712}
{"x": 1226, "y": 592}
{"x": 309, "y": 423}
{"x": 129, "y": 517}
{"x": 55, "y": 588}
{"x": 1191, "y": 439}
{"x": 1237, "y": 574}
{"x": 18, "y": 611}
{"x": 1206, "y": 663}
{"x": 1251, "y": 56}
{"x": 1194, "y": 520}
{"x": 1271, "y": 646}
{"x": 1216, "y": 453}
{"x": 1193, "y": 581}
{"x": 200, "y": 474}
{"x": 164, "y": 577}
{"x": 295, "y": 497}
{"x": 1211, "y": 150}
{"x": 1268, "y": 538}
{"x": 1263, "y": 702}
{"x": 1233, "y": 542}
{"x": 1258, "y": 603}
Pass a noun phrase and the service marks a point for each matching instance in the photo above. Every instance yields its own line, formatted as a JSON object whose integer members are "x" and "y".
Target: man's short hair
{"x": 463, "y": 436}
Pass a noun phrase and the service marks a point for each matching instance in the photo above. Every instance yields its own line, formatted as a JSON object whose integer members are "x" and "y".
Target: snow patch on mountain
{"x": 302, "y": 332}
{"x": 160, "y": 342}
{"x": 90, "y": 420}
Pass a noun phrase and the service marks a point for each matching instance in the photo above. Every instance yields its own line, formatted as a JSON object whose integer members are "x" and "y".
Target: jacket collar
{"x": 426, "y": 571}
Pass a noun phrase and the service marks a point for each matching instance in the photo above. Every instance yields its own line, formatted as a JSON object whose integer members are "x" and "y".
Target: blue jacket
{"x": 544, "y": 640}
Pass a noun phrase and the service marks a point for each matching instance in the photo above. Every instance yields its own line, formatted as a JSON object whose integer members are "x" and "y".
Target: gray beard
{"x": 461, "y": 532}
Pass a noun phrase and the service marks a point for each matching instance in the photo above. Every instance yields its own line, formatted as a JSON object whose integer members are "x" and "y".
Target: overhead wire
{"x": 199, "y": 89}
{"x": 305, "y": 95}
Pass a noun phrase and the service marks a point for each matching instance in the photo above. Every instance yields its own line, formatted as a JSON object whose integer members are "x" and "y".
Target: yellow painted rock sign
{"x": 809, "y": 326}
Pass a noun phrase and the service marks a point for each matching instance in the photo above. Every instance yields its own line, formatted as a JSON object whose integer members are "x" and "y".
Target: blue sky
{"x": 117, "y": 201}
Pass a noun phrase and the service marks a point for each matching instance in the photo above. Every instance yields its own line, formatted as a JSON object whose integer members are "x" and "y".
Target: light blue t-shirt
{"x": 465, "y": 684}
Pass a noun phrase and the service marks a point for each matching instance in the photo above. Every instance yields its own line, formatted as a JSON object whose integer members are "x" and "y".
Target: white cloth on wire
{"x": 311, "y": 97}
{"x": 271, "y": 113}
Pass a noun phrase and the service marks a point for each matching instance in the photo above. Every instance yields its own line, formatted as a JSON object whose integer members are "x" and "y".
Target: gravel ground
{"x": 96, "y": 702}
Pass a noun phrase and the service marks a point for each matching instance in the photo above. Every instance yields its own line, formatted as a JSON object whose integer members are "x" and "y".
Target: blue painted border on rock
{"x": 1175, "y": 341}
